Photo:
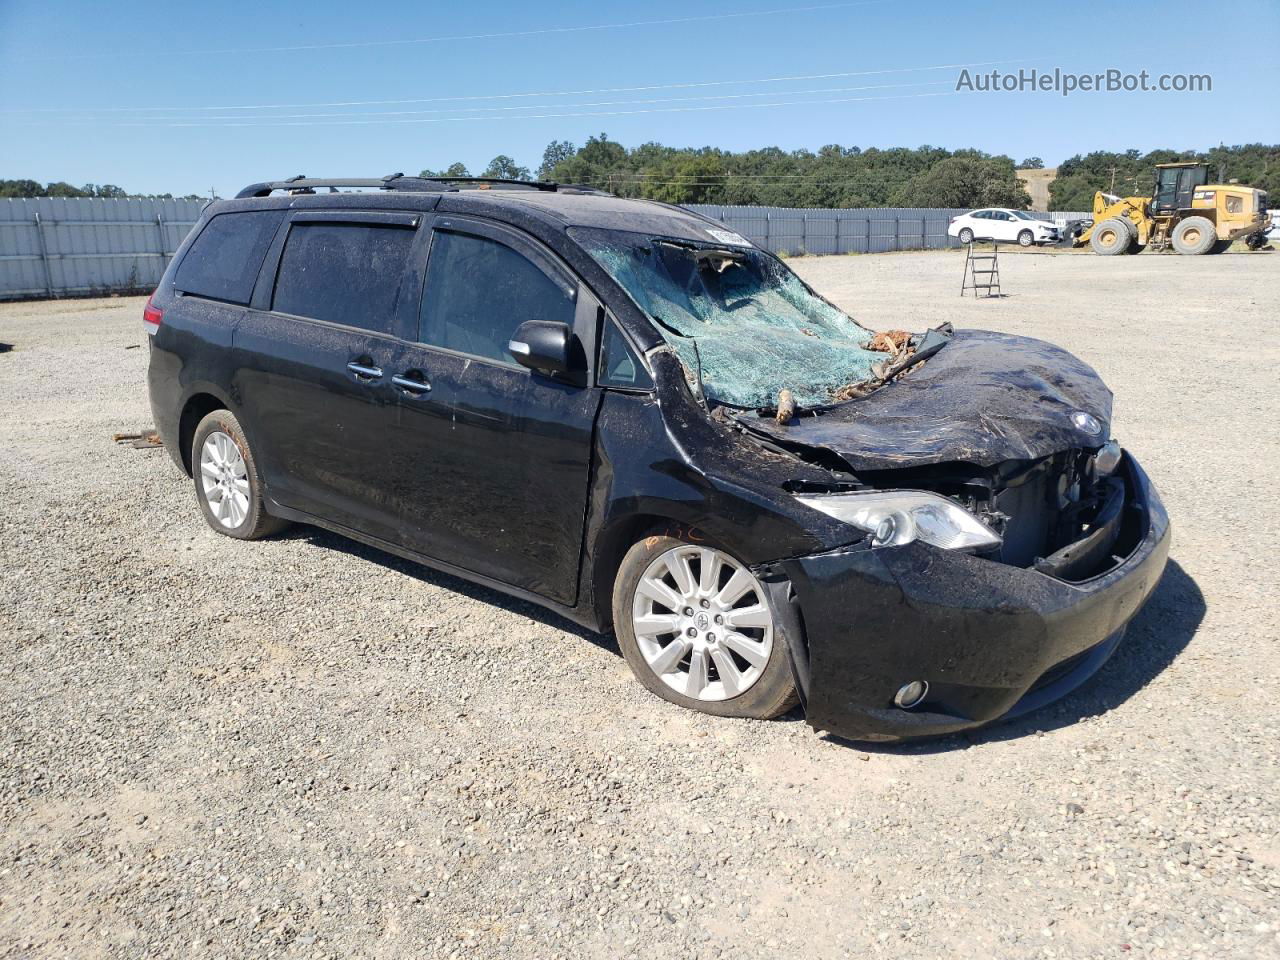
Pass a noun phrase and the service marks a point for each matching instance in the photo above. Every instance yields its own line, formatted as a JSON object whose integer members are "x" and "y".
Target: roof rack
{"x": 398, "y": 181}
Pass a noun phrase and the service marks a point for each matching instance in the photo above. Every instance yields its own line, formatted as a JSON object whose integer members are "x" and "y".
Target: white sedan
{"x": 1000, "y": 223}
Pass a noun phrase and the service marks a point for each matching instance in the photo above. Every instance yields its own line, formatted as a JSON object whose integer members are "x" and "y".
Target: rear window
{"x": 345, "y": 273}
{"x": 225, "y": 258}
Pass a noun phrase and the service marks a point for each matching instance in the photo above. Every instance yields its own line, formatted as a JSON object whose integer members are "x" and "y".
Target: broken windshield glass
{"x": 738, "y": 318}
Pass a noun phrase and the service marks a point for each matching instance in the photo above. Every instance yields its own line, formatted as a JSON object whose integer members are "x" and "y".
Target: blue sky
{"x": 129, "y": 94}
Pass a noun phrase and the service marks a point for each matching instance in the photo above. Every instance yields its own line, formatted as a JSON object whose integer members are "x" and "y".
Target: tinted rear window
{"x": 343, "y": 272}
{"x": 225, "y": 258}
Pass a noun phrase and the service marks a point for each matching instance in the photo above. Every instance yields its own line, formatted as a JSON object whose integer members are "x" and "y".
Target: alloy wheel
{"x": 702, "y": 623}
{"x": 224, "y": 478}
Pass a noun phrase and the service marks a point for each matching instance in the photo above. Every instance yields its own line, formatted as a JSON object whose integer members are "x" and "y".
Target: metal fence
{"x": 52, "y": 246}
{"x": 796, "y": 230}
{"x": 56, "y": 246}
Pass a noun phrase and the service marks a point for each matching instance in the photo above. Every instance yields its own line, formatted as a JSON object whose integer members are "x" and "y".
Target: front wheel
{"x": 228, "y": 487}
{"x": 1194, "y": 236}
{"x": 1110, "y": 238}
{"x": 1026, "y": 238}
{"x": 696, "y": 628}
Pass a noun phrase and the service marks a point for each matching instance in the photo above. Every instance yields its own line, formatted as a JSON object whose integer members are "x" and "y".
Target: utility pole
{"x": 1112, "y": 188}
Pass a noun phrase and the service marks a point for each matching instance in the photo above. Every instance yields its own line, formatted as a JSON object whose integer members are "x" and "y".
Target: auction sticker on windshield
{"x": 728, "y": 236}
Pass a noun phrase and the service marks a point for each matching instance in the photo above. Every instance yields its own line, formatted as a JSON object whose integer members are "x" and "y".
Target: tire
{"x": 1026, "y": 238}
{"x": 228, "y": 487}
{"x": 665, "y": 582}
{"x": 966, "y": 236}
{"x": 1194, "y": 236}
{"x": 1110, "y": 238}
{"x": 1135, "y": 248}
{"x": 1221, "y": 246}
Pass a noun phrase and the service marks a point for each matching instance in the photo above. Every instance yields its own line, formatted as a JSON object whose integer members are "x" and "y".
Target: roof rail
{"x": 398, "y": 181}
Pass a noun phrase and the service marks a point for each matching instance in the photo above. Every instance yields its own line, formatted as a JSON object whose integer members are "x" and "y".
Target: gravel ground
{"x": 301, "y": 747}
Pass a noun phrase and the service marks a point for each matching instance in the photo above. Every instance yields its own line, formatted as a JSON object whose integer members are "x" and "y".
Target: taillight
{"x": 151, "y": 316}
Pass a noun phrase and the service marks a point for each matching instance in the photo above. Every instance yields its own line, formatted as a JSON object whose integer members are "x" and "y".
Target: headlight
{"x": 901, "y": 516}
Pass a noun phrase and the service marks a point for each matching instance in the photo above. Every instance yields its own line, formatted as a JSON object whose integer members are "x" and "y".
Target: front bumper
{"x": 992, "y": 640}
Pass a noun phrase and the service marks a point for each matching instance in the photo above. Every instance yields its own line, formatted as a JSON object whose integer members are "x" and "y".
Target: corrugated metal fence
{"x": 796, "y": 230}
{"x": 54, "y": 246}
{"x": 58, "y": 246}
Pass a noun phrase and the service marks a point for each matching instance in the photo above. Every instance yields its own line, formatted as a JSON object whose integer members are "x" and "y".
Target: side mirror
{"x": 547, "y": 347}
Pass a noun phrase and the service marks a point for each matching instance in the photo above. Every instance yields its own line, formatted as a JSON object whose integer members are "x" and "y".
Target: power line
{"x": 265, "y": 122}
{"x": 541, "y": 106}
{"x": 684, "y": 85}
{"x": 505, "y": 34}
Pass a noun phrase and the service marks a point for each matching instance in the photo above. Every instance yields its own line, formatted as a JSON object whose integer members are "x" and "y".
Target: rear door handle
{"x": 363, "y": 371}
{"x": 412, "y": 382}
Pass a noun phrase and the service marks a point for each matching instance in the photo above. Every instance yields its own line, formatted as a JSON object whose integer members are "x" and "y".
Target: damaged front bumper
{"x": 991, "y": 640}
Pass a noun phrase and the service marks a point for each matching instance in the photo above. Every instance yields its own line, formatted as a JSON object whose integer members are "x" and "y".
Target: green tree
{"x": 453, "y": 170}
{"x": 600, "y": 162}
{"x": 966, "y": 181}
{"x": 1031, "y": 163}
{"x": 697, "y": 178}
{"x": 556, "y": 153}
{"x": 506, "y": 168}
{"x": 21, "y": 188}
{"x": 62, "y": 189}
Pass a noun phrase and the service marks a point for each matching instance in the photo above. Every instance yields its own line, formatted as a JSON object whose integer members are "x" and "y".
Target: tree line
{"x": 33, "y": 188}
{"x": 833, "y": 176}
{"x": 837, "y": 176}
{"x": 1132, "y": 173}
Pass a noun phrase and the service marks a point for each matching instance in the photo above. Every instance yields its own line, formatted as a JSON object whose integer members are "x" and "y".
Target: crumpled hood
{"x": 983, "y": 398}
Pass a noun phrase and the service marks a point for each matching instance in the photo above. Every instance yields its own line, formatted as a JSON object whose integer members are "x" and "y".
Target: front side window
{"x": 619, "y": 365}
{"x": 225, "y": 258}
{"x": 346, "y": 273}
{"x": 478, "y": 291}
{"x": 738, "y": 319}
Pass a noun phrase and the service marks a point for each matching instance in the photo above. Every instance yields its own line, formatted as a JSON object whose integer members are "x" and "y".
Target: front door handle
{"x": 412, "y": 382}
{"x": 364, "y": 371}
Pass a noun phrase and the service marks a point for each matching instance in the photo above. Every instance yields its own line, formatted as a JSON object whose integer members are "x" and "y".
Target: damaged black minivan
{"x": 625, "y": 412}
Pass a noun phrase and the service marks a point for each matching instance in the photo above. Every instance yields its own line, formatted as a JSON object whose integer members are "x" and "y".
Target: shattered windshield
{"x": 739, "y": 318}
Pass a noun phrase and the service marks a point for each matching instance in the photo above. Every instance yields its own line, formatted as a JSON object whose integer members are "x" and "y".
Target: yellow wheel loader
{"x": 1185, "y": 212}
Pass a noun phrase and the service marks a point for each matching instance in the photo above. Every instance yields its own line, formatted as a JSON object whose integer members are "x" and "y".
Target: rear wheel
{"x": 696, "y": 628}
{"x": 966, "y": 235}
{"x": 1110, "y": 238}
{"x": 226, "y": 477}
{"x": 1194, "y": 236}
{"x": 1221, "y": 246}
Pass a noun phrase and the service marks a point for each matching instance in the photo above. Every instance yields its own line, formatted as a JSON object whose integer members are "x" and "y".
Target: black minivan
{"x": 630, "y": 414}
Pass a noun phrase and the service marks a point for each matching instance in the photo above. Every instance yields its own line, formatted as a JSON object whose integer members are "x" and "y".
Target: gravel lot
{"x": 305, "y": 748}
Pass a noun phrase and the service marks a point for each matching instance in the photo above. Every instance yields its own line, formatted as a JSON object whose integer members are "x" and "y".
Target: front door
{"x": 314, "y": 361}
{"x": 493, "y": 460}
